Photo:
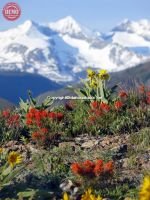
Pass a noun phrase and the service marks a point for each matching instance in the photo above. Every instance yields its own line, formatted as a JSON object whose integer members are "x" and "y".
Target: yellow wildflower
{"x": 93, "y": 84}
{"x": 91, "y": 73}
{"x": 145, "y": 189}
{"x": 66, "y": 196}
{"x": 14, "y": 158}
{"x": 103, "y": 74}
{"x": 89, "y": 196}
{"x": 99, "y": 197}
{"x": 1, "y": 150}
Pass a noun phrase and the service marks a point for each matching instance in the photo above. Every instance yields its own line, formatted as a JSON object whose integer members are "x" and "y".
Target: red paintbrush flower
{"x": 109, "y": 167}
{"x": 44, "y": 113}
{"x": 6, "y": 113}
{"x": 118, "y": 104}
{"x": 44, "y": 130}
{"x": 59, "y": 116}
{"x": 36, "y": 135}
{"x": 123, "y": 94}
{"x": 32, "y": 110}
{"x": 52, "y": 115}
{"x": 38, "y": 116}
{"x": 56, "y": 116}
{"x": 105, "y": 107}
{"x": 88, "y": 167}
{"x": 76, "y": 168}
{"x": 29, "y": 122}
{"x": 98, "y": 113}
{"x": 13, "y": 120}
{"x": 98, "y": 169}
{"x": 94, "y": 104}
{"x": 29, "y": 115}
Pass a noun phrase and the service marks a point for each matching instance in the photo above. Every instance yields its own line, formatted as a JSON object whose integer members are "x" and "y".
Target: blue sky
{"x": 101, "y": 15}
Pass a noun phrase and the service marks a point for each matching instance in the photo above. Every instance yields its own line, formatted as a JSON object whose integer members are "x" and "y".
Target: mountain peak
{"x": 27, "y": 26}
{"x": 66, "y": 25}
{"x": 123, "y": 25}
{"x": 125, "y": 21}
{"x": 68, "y": 19}
{"x": 133, "y": 26}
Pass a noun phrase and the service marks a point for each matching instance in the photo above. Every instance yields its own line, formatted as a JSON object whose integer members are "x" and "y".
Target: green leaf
{"x": 83, "y": 92}
{"x": 32, "y": 100}
{"x": 24, "y": 105}
{"x": 13, "y": 173}
{"x": 6, "y": 171}
{"x": 93, "y": 93}
{"x": 113, "y": 88}
{"x": 26, "y": 194}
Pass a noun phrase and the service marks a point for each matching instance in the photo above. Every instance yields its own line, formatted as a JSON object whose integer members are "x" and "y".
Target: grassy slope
{"x": 139, "y": 74}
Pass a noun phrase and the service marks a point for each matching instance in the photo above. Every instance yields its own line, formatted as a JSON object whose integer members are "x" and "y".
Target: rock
{"x": 89, "y": 144}
{"x": 66, "y": 185}
{"x": 96, "y": 142}
{"x": 79, "y": 140}
{"x": 33, "y": 149}
{"x": 66, "y": 144}
{"x": 75, "y": 191}
{"x": 143, "y": 161}
{"x": 125, "y": 162}
{"x": 11, "y": 143}
{"x": 145, "y": 166}
{"x": 104, "y": 143}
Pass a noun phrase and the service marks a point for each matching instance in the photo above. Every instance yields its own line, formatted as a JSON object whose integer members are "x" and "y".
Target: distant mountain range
{"x": 61, "y": 50}
{"x": 15, "y": 85}
{"x": 46, "y": 58}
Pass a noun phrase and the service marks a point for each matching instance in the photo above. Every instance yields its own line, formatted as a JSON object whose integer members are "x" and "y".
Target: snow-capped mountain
{"x": 141, "y": 27}
{"x": 60, "y": 49}
{"x": 66, "y": 26}
{"x": 132, "y": 34}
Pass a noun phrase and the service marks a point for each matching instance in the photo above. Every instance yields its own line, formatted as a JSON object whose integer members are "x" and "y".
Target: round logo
{"x": 11, "y": 11}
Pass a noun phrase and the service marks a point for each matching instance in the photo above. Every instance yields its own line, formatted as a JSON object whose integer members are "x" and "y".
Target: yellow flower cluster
{"x": 93, "y": 83}
{"x": 89, "y": 196}
{"x": 91, "y": 73}
{"x": 86, "y": 196}
{"x": 145, "y": 189}
{"x": 66, "y": 196}
{"x": 103, "y": 74}
{"x": 95, "y": 77}
{"x": 14, "y": 158}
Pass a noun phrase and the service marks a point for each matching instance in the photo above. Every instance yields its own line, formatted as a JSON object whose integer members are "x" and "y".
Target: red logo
{"x": 11, "y": 11}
